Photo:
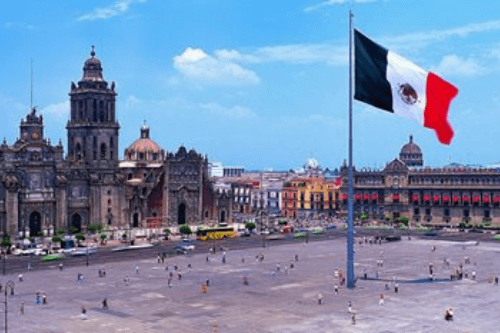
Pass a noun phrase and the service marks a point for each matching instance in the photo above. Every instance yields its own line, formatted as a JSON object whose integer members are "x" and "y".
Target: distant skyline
{"x": 253, "y": 83}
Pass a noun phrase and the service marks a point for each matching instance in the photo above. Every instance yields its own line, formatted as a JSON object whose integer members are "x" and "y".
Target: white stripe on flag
{"x": 400, "y": 74}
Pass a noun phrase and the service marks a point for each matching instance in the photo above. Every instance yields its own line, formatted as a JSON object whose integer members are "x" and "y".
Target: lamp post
{"x": 9, "y": 285}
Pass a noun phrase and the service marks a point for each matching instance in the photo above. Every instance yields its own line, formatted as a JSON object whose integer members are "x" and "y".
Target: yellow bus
{"x": 219, "y": 232}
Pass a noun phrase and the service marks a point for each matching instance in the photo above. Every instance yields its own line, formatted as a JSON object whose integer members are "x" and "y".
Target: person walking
{"x": 296, "y": 257}
{"x": 105, "y": 303}
{"x": 336, "y": 290}
{"x": 21, "y": 308}
{"x": 473, "y": 275}
{"x": 207, "y": 282}
{"x": 136, "y": 270}
{"x": 60, "y": 266}
{"x": 396, "y": 288}
{"x": 84, "y": 313}
{"x": 179, "y": 275}
{"x": 320, "y": 298}
{"x": 277, "y": 267}
{"x": 381, "y": 301}
{"x": 448, "y": 315}
{"x": 44, "y": 299}
{"x": 163, "y": 258}
{"x": 170, "y": 283}
{"x": 496, "y": 281}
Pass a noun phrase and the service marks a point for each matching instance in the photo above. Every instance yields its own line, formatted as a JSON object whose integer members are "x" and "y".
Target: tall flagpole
{"x": 31, "y": 90}
{"x": 350, "y": 224}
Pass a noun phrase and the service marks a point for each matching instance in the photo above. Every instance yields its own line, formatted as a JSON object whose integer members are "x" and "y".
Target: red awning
{"x": 486, "y": 199}
{"x": 374, "y": 197}
{"x": 358, "y": 196}
{"x": 344, "y": 196}
{"x": 366, "y": 196}
{"x": 465, "y": 198}
{"x": 446, "y": 198}
{"x": 475, "y": 198}
{"x": 427, "y": 197}
{"x": 415, "y": 197}
{"x": 436, "y": 198}
{"x": 496, "y": 199}
{"x": 456, "y": 198}
{"x": 395, "y": 196}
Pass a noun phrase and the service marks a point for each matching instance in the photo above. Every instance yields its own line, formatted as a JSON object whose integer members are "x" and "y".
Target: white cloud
{"x": 424, "y": 38}
{"x": 326, "y": 3}
{"x": 234, "y": 111}
{"x": 453, "y": 65}
{"x": 131, "y": 102}
{"x": 197, "y": 65}
{"x": 18, "y": 25}
{"x": 118, "y": 8}
{"x": 57, "y": 110}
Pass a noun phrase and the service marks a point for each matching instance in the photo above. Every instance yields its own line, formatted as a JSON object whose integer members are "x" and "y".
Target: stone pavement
{"x": 277, "y": 302}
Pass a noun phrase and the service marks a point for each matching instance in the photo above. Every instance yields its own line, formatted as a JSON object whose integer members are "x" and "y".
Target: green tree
{"x": 56, "y": 239}
{"x": 185, "y": 230}
{"x": 6, "y": 242}
{"x": 80, "y": 237}
{"x": 60, "y": 231}
{"x": 103, "y": 237}
{"x": 250, "y": 226}
{"x": 95, "y": 227}
{"x": 403, "y": 219}
{"x": 363, "y": 216}
{"x": 73, "y": 230}
{"x": 166, "y": 231}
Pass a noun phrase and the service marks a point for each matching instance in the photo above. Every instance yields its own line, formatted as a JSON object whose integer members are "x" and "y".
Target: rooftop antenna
{"x": 31, "y": 97}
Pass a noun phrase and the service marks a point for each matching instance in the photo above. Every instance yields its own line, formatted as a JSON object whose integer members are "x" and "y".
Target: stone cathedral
{"x": 41, "y": 189}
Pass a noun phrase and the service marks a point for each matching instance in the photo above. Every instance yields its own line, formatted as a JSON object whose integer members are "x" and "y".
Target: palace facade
{"x": 428, "y": 196}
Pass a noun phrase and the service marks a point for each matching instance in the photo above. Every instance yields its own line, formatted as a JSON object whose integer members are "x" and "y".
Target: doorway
{"x": 181, "y": 214}
{"x": 35, "y": 224}
{"x": 76, "y": 222}
{"x": 135, "y": 222}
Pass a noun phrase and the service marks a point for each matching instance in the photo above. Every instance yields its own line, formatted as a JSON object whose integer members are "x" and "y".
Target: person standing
{"x": 396, "y": 288}
{"x": 84, "y": 313}
{"x": 336, "y": 290}
{"x": 105, "y": 303}
{"x": 60, "y": 266}
{"x": 320, "y": 298}
{"x": 136, "y": 270}
{"x": 20, "y": 278}
{"x": 381, "y": 301}
{"x": 296, "y": 257}
{"x": 44, "y": 299}
{"x": 159, "y": 258}
{"x": 21, "y": 308}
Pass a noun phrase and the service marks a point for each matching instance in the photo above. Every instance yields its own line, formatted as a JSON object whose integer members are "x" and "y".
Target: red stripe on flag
{"x": 439, "y": 96}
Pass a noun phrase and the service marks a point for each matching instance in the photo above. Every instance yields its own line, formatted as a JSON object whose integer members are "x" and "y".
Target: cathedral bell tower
{"x": 92, "y": 128}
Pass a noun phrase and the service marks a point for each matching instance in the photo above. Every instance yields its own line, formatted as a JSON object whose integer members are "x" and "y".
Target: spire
{"x": 411, "y": 138}
{"x": 92, "y": 53}
{"x": 145, "y": 131}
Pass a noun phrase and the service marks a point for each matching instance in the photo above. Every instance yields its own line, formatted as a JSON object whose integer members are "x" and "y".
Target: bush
{"x": 95, "y": 227}
{"x": 6, "y": 242}
{"x": 80, "y": 237}
{"x": 496, "y": 237}
{"x": 462, "y": 224}
{"x": 403, "y": 219}
{"x": 167, "y": 231}
{"x": 40, "y": 233}
{"x": 56, "y": 239}
{"x": 185, "y": 230}
{"x": 403, "y": 227}
{"x": 287, "y": 184}
{"x": 73, "y": 230}
{"x": 250, "y": 226}
{"x": 60, "y": 231}
{"x": 363, "y": 216}
{"x": 103, "y": 236}
{"x": 282, "y": 222}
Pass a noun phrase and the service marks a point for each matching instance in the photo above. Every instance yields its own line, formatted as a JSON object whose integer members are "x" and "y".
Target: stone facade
{"x": 429, "y": 196}
{"x": 41, "y": 190}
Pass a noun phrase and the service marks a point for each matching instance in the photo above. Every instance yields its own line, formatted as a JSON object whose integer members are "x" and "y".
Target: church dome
{"x": 411, "y": 147}
{"x": 411, "y": 154}
{"x": 144, "y": 149}
{"x": 92, "y": 69}
{"x": 311, "y": 163}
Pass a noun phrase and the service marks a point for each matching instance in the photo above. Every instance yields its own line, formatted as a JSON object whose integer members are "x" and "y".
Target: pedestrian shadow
{"x": 422, "y": 280}
{"x": 112, "y": 312}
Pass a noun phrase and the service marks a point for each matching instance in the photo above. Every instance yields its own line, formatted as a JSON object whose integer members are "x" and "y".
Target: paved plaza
{"x": 271, "y": 302}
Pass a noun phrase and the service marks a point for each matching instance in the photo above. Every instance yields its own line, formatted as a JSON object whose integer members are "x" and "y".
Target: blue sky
{"x": 256, "y": 83}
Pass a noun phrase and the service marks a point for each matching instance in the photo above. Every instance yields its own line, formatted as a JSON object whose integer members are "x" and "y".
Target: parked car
{"x": 83, "y": 252}
{"x": 478, "y": 231}
{"x": 184, "y": 247}
{"x": 430, "y": 233}
{"x": 328, "y": 227}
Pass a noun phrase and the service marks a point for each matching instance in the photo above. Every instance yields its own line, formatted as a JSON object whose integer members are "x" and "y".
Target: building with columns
{"x": 443, "y": 196}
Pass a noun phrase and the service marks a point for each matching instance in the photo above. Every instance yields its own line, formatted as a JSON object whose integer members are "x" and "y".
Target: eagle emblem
{"x": 407, "y": 93}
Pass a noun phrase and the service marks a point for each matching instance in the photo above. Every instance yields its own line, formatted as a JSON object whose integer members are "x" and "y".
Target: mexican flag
{"x": 390, "y": 82}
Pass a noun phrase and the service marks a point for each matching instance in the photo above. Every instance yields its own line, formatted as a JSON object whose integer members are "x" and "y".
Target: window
{"x": 111, "y": 145}
{"x": 447, "y": 212}
{"x": 427, "y": 211}
{"x": 78, "y": 152}
{"x": 466, "y": 213}
{"x": 416, "y": 211}
{"x": 103, "y": 151}
{"x": 487, "y": 213}
{"x": 95, "y": 148}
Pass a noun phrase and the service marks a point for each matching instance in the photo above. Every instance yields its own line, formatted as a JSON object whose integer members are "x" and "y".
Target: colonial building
{"x": 310, "y": 197}
{"x": 429, "y": 196}
{"x": 41, "y": 190}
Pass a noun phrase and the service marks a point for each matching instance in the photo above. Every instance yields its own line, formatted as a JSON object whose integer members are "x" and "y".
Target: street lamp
{"x": 9, "y": 285}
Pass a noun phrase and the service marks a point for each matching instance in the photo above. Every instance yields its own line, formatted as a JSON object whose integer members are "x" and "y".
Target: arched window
{"x": 103, "y": 151}
{"x": 102, "y": 116}
{"x": 95, "y": 106}
{"x": 78, "y": 152}
{"x": 111, "y": 147}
